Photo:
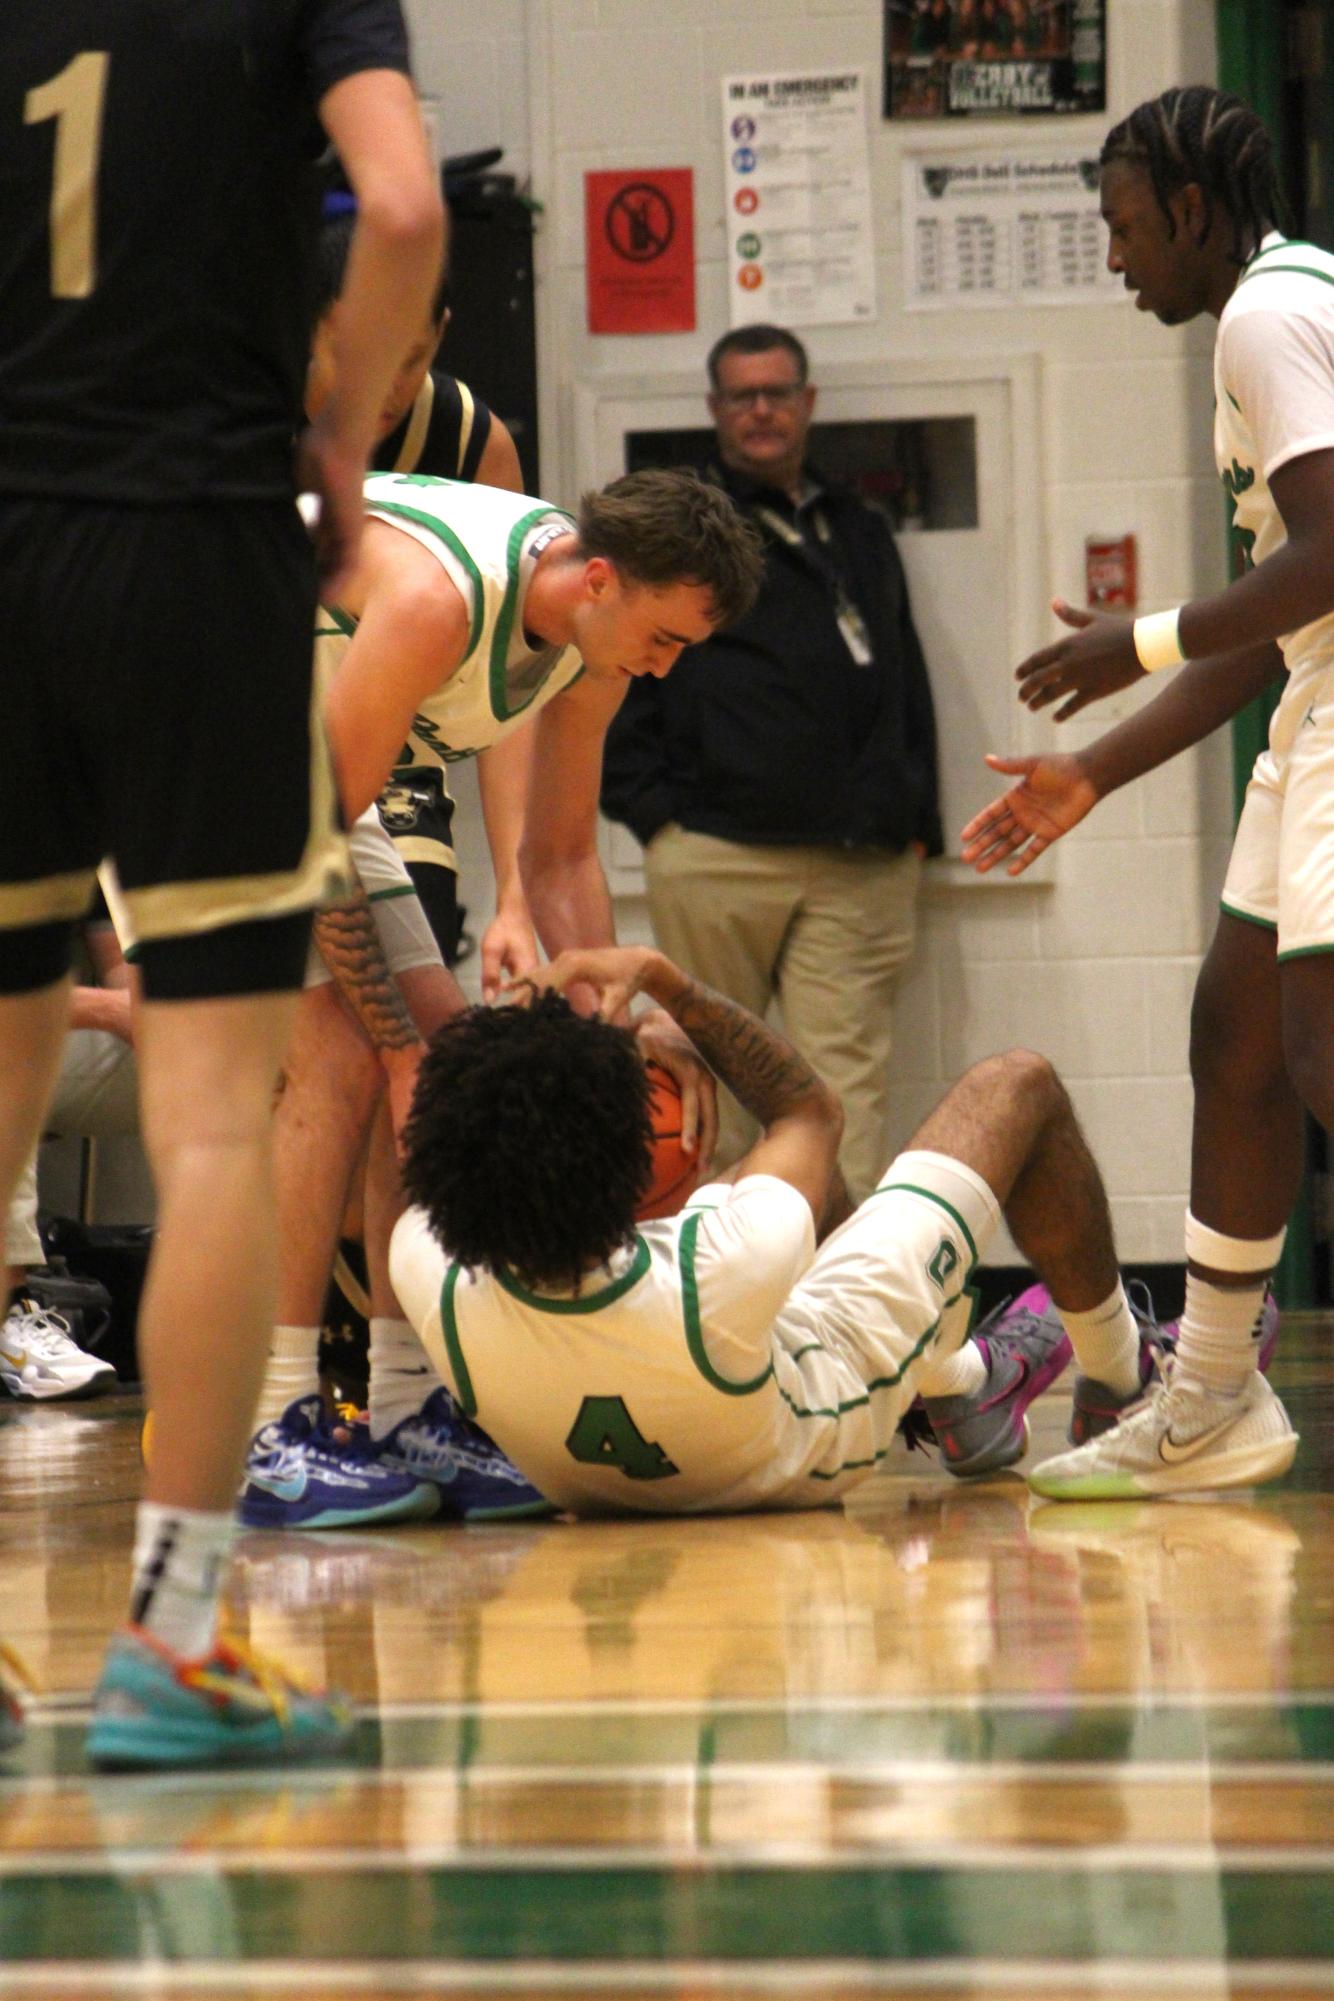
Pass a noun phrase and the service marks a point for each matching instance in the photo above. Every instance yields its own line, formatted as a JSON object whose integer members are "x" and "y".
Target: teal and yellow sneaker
{"x": 153, "y": 1710}
{"x": 11, "y": 1709}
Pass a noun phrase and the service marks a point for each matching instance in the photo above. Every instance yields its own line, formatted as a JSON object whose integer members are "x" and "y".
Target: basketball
{"x": 674, "y": 1172}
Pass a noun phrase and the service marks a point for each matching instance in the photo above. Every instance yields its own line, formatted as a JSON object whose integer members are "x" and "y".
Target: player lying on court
{"x": 718, "y": 1360}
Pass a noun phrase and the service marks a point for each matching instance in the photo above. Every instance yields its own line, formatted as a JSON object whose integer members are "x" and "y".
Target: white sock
{"x": 1217, "y": 1344}
{"x": 179, "y": 1558}
{"x": 293, "y": 1371}
{"x": 961, "y": 1374}
{"x": 1106, "y": 1342}
{"x": 1219, "y": 1338}
{"x": 401, "y": 1376}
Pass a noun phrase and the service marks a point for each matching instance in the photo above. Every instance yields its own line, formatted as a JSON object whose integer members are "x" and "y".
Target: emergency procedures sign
{"x": 796, "y": 170}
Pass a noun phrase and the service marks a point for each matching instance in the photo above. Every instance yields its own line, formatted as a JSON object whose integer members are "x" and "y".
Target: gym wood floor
{"x": 952, "y": 1742}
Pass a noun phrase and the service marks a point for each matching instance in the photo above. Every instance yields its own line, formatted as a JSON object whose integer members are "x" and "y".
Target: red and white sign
{"x": 1110, "y": 572}
{"x": 639, "y": 230}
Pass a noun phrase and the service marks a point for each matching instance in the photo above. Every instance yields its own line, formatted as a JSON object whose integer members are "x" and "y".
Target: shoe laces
{"x": 1145, "y": 1316}
{"x": 18, "y": 1667}
{"x": 1021, "y": 1323}
{"x": 49, "y": 1337}
{"x": 274, "y": 1685}
{"x": 47, "y": 1334}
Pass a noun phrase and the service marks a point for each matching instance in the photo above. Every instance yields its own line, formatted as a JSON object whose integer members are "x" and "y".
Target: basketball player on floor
{"x": 149, "y": 387}
{"x": 1190, "y": 195}
{"x": 717, "y": 1360}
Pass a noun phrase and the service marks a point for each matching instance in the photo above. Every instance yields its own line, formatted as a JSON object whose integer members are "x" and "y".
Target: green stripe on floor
{"x": 1109, "y": 1913}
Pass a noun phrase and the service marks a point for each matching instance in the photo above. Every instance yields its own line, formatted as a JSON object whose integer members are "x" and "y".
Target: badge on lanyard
{"x": 856, "y": 634}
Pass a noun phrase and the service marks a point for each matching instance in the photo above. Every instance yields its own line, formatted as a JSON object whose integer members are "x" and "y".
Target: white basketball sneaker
{"x": 1178, "y": 1440}
{"x": 40, "y": 1360}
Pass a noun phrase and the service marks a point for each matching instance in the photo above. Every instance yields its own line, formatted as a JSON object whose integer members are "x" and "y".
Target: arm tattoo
{"x": 756, "y": 1063}
{"x": 349, "y": 945}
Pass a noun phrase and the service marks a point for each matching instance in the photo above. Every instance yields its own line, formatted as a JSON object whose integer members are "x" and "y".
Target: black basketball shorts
{"x": 157, "y": 697}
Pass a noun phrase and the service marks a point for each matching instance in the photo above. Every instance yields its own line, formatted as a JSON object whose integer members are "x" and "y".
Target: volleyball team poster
{"x": 974, "y": 58}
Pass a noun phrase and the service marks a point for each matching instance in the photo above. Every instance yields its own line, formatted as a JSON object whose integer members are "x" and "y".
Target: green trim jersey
{"x": 1274, "y": 402}
{"x": 487, "y": 541}
{"x": 719, "y": 1362}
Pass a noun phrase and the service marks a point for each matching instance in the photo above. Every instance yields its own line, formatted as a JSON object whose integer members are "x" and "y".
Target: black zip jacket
{"x": 769, "y": 732}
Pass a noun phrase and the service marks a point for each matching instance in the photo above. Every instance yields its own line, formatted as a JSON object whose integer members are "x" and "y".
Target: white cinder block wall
{"x": 1095, "y": 964}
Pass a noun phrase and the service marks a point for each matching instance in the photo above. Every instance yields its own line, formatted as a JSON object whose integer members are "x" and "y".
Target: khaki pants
{"x": 827, "y": 932}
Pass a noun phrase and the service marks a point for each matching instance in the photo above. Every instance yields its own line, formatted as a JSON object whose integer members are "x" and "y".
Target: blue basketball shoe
{"x": 154, "y": 1710}
{"x": 474, "y": 1479}
{"x": 299, "y": 1475}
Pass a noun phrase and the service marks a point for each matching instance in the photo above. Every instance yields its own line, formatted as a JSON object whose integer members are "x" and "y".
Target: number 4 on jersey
{"x": 605, "y": 1434}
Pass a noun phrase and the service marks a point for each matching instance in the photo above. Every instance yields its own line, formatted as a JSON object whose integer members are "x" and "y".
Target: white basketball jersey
{"x": 487, "y": 541}
{"x": 654, "y": 1389}
{"x": 1274, "y": 402}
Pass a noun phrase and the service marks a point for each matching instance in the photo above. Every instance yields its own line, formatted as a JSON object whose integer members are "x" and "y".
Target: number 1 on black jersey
{"x": 74, "y": 99}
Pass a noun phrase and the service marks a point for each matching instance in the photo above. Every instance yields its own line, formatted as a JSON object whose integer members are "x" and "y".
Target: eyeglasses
{"x": 780, "y": 394}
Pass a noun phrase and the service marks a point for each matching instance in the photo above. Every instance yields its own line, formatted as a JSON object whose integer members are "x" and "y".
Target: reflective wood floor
{"x": 951, "y": 1742}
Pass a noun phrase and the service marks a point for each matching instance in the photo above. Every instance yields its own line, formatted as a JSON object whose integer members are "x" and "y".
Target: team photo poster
{"x": 978, "y": 58}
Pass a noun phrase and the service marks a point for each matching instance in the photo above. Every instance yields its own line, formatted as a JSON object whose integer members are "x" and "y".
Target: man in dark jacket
{"x": 783, "y": 779}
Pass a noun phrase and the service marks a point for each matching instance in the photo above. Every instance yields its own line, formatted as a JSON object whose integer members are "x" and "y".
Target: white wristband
{"x": 1158, "y": 640}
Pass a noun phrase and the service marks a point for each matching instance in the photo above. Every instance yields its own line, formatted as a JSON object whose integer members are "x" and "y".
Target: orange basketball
{"x": 674, "y": 1171}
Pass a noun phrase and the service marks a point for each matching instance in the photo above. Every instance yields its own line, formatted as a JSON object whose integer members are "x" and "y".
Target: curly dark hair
{"x": 530, "y": 1144}
{"x": 1198, "y": 134}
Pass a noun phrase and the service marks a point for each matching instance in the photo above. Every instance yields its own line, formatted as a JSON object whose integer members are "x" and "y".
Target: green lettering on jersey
{"x": 1238, "y": 479}
{"x": 1243, "y": 544}
{"x": 605, "y": 1434}
{"x": 945, "y": 1261}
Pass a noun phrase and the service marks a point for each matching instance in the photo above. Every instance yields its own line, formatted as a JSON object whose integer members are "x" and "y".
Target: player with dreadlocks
{"x": 1190, "y": 196}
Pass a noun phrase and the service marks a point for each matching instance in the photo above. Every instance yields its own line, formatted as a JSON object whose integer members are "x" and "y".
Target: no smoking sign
{"x": 639, "y": 234}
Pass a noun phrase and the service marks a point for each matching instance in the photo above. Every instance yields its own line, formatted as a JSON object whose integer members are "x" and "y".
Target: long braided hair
{"x": 1206, "y": 136}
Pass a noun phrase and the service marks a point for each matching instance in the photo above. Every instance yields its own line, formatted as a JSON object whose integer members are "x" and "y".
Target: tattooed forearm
{"x": 760, "y": 1066}
{"x": 349, "y": 944}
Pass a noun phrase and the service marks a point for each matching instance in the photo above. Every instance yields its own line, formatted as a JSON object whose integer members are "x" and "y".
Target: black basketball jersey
{"x": 444, "y": 433}
{"x": 157, "y": 230}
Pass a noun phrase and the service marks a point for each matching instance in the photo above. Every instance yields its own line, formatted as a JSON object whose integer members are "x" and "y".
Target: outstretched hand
{"x": 1097, "y": 659}
{"x": 1052, "y": 796}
